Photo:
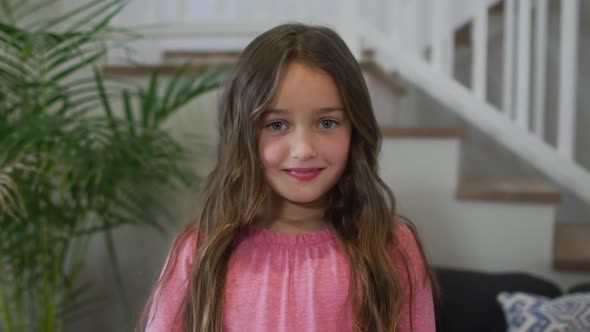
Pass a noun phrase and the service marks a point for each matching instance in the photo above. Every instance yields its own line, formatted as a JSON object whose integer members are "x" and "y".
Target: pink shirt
{"x": 291, "y": 282}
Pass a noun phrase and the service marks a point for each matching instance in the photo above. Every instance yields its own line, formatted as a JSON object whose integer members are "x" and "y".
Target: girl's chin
{"x": 300, "y": 197}
{"x": 307, "y": 199}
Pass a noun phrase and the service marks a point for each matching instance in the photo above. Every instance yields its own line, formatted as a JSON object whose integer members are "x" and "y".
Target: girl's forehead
{"x": 304, "y": 85}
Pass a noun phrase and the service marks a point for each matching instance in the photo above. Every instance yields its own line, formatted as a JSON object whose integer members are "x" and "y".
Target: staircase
{"x": 478, "y": 223}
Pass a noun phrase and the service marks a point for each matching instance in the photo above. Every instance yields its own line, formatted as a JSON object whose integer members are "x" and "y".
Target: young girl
{"x": 297, "y": 230}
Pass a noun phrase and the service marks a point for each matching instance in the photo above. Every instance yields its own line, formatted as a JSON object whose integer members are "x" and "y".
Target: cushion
{"x": 528, "y": 312}
{"x": 468, "y": 298}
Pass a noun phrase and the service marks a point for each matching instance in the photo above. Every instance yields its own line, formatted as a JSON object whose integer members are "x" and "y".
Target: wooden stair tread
{"x": 507, "y": 190}
{"x": 165, "y": 69}
{"x": 424, "y": 132}
{"x": 200, "y": 57}
{"x": 571, "y": 247}
{"x": 200, "y": 54}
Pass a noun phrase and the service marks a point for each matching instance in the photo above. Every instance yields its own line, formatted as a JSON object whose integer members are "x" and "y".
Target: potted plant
{"x": 74, "y": 149}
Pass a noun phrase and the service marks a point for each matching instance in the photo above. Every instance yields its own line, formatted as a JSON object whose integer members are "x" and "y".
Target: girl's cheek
{"x": 338, "y": 145}
{"x": 270, "y": 151}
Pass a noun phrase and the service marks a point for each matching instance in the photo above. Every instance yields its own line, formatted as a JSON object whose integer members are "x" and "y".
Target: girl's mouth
{"x": 303, "y": 174}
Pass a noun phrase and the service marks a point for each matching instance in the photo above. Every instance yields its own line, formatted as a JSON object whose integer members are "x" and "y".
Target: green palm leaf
{"x": 80, "y": 155}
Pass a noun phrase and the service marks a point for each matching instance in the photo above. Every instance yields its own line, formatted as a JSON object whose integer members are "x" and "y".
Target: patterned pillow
{"x": 534, "y": 313}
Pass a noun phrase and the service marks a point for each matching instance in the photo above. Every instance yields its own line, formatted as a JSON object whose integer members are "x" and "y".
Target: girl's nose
{"x": 302, "y": 145}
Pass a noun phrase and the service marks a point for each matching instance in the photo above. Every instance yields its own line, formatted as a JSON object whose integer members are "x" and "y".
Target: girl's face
{"x": 304, "y": 135}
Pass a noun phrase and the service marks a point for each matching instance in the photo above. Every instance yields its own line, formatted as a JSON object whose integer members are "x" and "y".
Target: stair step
{"x": 174, "y": 54}
{"x": 425, "y": 132}
{"x": 163, "y": 69}
{"x": 571, "y": 247}
{"x": 507, "y": 190}
{"x": 200, "y": 57}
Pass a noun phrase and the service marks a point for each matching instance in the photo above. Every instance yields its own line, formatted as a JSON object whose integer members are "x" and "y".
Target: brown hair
{"x": 361, "y": 208}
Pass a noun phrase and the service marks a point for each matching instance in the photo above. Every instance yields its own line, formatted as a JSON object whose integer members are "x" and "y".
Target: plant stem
{"x": 20, "y": 312}
{"x": 5, "y": 310}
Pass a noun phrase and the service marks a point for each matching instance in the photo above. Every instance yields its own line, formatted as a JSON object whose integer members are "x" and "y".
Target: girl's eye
{"x": 328, "y": 123}
{"x": 276, "y": 125}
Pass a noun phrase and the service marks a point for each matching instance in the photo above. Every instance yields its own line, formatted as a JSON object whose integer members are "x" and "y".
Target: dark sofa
{"x": 468, "y": 299}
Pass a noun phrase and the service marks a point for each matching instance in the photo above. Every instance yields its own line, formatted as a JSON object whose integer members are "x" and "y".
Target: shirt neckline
{"x": 260, "y": 234}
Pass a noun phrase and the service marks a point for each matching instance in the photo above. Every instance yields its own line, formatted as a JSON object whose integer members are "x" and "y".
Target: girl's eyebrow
{"x": 331, "y": 109}
{"x": 322, "y": 110}
{"x": 273, "y": 111}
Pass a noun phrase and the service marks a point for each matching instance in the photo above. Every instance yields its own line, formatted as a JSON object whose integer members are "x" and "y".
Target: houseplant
{"x": 76, "y": 149}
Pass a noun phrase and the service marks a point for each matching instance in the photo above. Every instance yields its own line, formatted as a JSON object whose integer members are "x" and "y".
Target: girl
{"x": 297, "y": 230}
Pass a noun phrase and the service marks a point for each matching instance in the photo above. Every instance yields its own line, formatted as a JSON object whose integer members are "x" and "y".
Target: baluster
{"x": 540, "y": 67}
{"x": 479, "y": 38}
{"x": 523, "y": 63}
{"x": 508, "y": 59}
{"x": 449, "y": 42}
{"x": 436, "y": 29}
{"x": 442, "y": 40}
{"x": 567, "y": 77}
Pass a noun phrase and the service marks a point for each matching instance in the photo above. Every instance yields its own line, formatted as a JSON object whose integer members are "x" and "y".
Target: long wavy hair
{"x": 360, "y": 209}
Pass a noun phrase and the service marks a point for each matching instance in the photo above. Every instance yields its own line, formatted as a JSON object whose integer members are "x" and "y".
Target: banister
{"x": 523, "y": 64}
{"x": 540, "y": 68}
{"x": 483, "y": 115}
{"x": 440, "y": 28}
{"x": 508, "y": 60}
{"x": 480, "y": 52}
{"x": 567, "y": 77}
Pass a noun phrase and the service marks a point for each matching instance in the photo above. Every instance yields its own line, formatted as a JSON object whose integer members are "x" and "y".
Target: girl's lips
{"x": 303, "y": 174}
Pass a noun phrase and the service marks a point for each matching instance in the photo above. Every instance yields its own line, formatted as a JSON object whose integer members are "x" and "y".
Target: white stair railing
{"x": 514, "y": 130}
{"x": 400, "y": 31}
{"x": 567, "y": 77}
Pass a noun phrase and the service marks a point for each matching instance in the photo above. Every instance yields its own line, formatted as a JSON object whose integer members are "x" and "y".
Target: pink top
{"x": 290, "y": 282}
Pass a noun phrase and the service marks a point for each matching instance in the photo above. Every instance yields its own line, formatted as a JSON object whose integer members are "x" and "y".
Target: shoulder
{"x": 404, "y": 232}
{"x": 405, "y": 237}
{"x": 180, "y": 257}
{"x": 408, "y": 256}
{"x": 407, "y": 252}
{"x": 167, "y": 298}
